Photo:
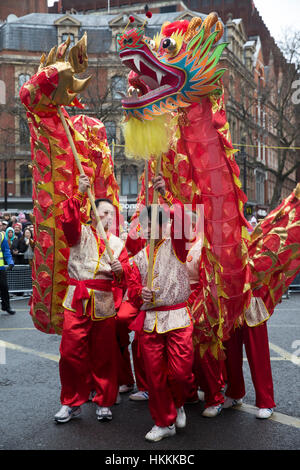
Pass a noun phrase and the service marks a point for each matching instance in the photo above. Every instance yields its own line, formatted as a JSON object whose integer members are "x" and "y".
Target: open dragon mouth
{"x": 160, "y": 79}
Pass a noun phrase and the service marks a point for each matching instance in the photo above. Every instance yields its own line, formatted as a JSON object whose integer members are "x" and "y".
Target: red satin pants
{"x": 89, "y": 360}
{"x": 258, "y": 355}
{"x": 125, "y": 369}
{"x": 208, "y": 373}
{"x": 168, "y": 359}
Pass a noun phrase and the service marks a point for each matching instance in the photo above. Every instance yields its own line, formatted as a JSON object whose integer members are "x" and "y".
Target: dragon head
{"x": 55, "y": 82}
{"x": 174, "y": 69}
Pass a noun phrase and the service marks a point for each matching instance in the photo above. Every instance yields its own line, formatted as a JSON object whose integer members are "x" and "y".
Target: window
{"x": 233, "y": 131}
{"x": 65, "y": 36}
{"x": 2, "y": 92}
{"x": 118, "y": 86}
{"x": 110, "y": 127}
{"x": 260, "y": 187}
{"x": 129, "y": 181}
{"x": 25, "y": 181}
{"x": 22, "y": 79}
{"x": 24, "y": 132}
{"x": 168, "y": 9}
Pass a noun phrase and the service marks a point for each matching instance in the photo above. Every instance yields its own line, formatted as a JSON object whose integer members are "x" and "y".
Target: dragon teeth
{"x": 136, "y": 61}
{"x": 159, "y": 76}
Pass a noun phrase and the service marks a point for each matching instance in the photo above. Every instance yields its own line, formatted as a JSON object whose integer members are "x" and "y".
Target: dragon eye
{"x": 128, "y": 41}
{"x": 169, "y": 43}
{"x": 152, "y": 44}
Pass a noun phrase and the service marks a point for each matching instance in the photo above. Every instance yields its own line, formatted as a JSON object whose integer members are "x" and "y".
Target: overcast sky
{"x": 277, "y": 14}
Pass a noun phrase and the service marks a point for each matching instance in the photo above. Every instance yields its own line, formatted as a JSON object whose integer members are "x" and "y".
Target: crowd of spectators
{"x": 18, "y": 230}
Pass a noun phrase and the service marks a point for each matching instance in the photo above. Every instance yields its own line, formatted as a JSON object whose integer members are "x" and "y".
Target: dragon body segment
{"x": 175, "y": 76}
{"x": 55, "y": 175}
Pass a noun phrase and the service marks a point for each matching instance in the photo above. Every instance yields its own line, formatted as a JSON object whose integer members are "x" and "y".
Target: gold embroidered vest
{"x": 85, "y": 263}
{"x": 171, "y": 286}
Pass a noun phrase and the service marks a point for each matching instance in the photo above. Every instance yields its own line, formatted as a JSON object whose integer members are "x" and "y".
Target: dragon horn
{"x": 193, "y": 25}
{"x": 51, "y": 57}
{"x": 79, "y": 85}
{"x": 42, "y": 61}
{"x": 220, "y": 28}
{"x": 62, "y": 49}
{"x": 78, "y": 55}
{"x": 208, "y": 23}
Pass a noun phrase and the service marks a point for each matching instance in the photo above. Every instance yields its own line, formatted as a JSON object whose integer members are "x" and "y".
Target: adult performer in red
{"x": 252, "y": 332}
{"x": 207, "y": 369}
{"x": 89, "y": 350}
{"x": 164, "y": 321}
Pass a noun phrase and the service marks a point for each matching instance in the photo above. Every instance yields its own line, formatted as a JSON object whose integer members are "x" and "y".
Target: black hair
{"x": 162, "y": 216}
{"x": 97, "y": 202}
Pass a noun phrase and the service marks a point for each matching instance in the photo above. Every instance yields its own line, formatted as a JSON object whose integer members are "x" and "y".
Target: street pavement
{"x": 30, "y": 396}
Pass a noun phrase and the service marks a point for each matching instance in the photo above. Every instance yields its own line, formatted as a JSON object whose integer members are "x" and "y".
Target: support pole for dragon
{"x": 153, "y": 226}
{"x": 89, "y": 192}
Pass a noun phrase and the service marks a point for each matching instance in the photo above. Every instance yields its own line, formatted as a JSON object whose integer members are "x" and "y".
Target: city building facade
{"x": 251, "y": 60}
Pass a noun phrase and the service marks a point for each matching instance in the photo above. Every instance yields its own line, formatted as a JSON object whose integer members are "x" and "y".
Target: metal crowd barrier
{"x": 295, "y": 285}
{"x": 19, "y": 279}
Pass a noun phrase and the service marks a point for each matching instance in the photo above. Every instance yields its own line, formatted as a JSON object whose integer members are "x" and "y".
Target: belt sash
{"x": 81, "y": 291}
{"x": 138, "y": 323}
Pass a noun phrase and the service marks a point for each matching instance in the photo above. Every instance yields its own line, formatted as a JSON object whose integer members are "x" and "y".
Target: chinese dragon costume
{"x": 176, "y": 110}
{"x": 55, "y": 175}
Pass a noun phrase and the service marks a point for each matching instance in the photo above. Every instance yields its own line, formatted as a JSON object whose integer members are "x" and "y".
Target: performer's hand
{"x": 147, "y": 295}
{"x": 83, "y": 184}
{"x": 116, "y": 266}
{"x": 159, "y": 184}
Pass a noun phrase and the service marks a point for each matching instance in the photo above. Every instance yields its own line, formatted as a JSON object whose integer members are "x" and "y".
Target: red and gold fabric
{"x": 274, "y": 251}
{"x": 55, "y": 174}
{"x": 90, "y": 290}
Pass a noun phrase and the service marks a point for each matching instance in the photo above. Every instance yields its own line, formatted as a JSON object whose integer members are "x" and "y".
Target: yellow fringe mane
{"x": 145, "y": 139}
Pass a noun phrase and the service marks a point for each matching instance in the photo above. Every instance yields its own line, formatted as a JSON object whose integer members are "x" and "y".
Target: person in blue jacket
{"x": 5, "y": 256}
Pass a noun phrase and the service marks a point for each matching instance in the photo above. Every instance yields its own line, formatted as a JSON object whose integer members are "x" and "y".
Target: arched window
{"x": 129, "y": 181}
{"x": 25, "y": 181}
{"x": 118, "y": 86}
{"x": 22, "y": 79}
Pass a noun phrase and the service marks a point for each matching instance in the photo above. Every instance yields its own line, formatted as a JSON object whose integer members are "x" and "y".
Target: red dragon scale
{"x": 55, "y": 174}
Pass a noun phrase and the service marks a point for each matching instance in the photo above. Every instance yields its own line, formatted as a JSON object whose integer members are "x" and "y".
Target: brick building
{"x": 249, "y": 58}
{"x": 22, "y": 8}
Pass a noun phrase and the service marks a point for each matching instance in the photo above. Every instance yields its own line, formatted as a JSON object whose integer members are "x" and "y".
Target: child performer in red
{"x": 89, "y": 348}
{"x": 164, "y": 320}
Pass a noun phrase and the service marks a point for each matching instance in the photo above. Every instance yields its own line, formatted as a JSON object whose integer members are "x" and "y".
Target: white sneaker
{"x": 229, "y": 402}
{"x": 125, "y": 388}
{"x": 181, "y": 418}
{"x": 212, "y": 411}
{"x": 139, "y": 396}
{"x": 66, "y": 413}
{"x": 103, "y": 413}
{"x": 264, "y": 413}
{"x": 158, "y": 433}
